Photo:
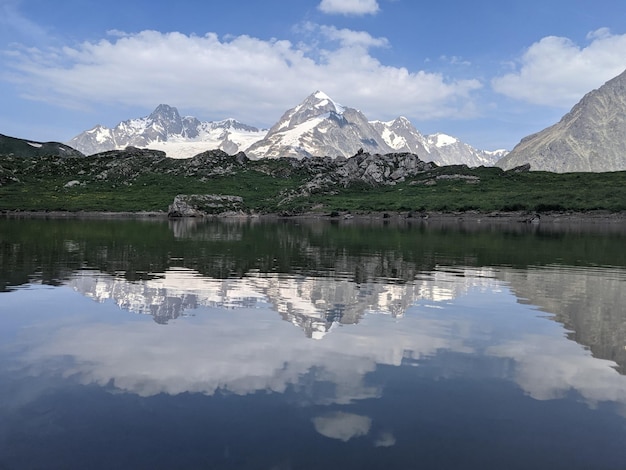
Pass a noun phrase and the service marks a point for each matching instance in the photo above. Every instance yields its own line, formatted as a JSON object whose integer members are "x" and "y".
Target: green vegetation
{"x": 150, "y": 183}
{"x": 495, "y": 191}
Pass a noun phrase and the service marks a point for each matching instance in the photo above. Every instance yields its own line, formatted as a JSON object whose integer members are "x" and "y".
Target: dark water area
{"x": 255, "y": 344}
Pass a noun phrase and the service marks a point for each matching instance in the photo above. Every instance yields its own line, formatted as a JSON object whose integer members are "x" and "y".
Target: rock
{"x": 469, "y": 179}
{"x": 520, "y": 169}
{"x": 200, "y": 205}
{"x": 374, "y": 170}
{"x": 131, "y": 151}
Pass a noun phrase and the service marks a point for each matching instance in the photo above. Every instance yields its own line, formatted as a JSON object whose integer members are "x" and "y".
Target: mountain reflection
{"x": 312, "y": 303}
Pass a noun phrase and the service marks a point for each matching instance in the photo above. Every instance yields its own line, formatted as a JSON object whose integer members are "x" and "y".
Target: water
{"x": 135, "y": 344}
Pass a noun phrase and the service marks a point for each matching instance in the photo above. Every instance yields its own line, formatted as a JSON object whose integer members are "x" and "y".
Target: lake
{"x": 309, "y": 344}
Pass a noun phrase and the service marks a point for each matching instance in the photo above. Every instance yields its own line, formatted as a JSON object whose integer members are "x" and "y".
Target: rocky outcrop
{"x": 379, "y": 169}
{"x": 374, "y": 170}
{"x": 200, "y": 205}
{"x": 131, "y": 151}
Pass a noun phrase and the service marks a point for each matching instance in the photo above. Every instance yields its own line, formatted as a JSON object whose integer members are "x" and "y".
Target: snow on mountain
{"x": 442, "y": 140}
{"x": 228, "y": 135}
{"x": 401, "y": 136}
{"x": 164, "y": 129}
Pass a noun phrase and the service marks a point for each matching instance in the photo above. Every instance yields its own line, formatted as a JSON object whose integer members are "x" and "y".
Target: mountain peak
{"x": 322, "y": 102}
{"x": 401, "y": 122}
{"x": 165, "y": 112}
{"x": 321, "y": 95}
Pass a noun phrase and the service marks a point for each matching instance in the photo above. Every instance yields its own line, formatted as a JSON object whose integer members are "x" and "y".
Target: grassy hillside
{"x": 29, "y": 148}
{"x": 145, "y": 182}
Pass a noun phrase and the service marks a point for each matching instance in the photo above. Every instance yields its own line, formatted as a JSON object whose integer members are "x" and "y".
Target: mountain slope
{"x": 164, "y": 129}
{"x": 591, "y": 137}
{"x": 29, "y": 148}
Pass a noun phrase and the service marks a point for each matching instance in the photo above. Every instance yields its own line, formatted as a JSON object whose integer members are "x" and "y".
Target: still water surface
{"x": 134, "y": 344}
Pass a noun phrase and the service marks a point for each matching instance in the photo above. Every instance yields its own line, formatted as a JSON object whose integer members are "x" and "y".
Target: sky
{"x": 489, "y": 72}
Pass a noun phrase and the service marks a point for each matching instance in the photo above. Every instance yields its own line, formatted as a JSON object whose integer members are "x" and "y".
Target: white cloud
{"x": 244, "y": 77}
{"x": 349, "y": 7}
{"x": 455, "y": 60}
{"x": 557, "y": 72}
{"x": 350, "y": 38}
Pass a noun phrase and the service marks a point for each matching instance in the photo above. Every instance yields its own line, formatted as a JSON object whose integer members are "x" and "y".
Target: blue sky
{"x": 488, "y": 72}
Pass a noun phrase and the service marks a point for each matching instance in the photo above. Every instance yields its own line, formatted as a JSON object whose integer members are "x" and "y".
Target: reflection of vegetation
{"x": 135, "y": 183}
{"x": 137, "y": 249}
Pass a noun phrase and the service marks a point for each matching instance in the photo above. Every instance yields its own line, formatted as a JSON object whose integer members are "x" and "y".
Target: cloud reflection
{"x": 239, "y": 353}
{"x": 342, "y": 426}
{"x": 548, "y": 369}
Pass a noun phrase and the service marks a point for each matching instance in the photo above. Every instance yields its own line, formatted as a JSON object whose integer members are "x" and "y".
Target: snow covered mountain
{"x": 318, "y": 126}
{"x": 439, "y": 148}
{"x": 321, "y": 127}
{"x": 164, "y": 129}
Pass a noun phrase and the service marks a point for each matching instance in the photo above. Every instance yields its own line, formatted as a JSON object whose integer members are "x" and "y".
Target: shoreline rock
{"x": 202, "y": 205}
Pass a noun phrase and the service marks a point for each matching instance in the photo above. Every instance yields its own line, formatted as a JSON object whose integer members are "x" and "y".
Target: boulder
{"x": 200, "y": 205}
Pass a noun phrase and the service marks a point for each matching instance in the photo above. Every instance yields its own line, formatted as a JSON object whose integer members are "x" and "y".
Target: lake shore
{"x": 555, "y": 217}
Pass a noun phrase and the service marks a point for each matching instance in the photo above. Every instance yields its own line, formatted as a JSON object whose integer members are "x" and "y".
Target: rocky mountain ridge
{"x": 590, "y": 138}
